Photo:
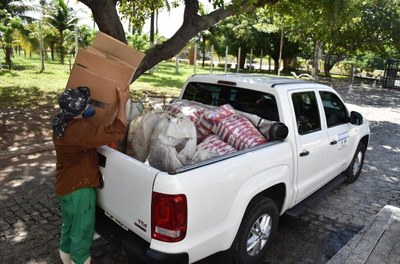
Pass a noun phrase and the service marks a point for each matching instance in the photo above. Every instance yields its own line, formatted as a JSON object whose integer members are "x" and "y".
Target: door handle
{"x": 304, "y": 153}
{"x": 333, "y": 142}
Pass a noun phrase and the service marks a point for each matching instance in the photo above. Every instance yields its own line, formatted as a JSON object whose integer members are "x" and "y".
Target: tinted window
{"x": 306, "y": 110}
{"x": 335, "y": 111}
{"x": 254, "y": 102}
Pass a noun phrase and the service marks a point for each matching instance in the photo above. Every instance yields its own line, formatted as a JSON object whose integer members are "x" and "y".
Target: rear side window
{"x": 335, "y": 111}
{"x": 259, "y": 103}
{"x": 307, "y": 115}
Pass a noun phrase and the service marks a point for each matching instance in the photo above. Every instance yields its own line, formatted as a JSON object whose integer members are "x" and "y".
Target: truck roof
{"x": 255, "y": 80}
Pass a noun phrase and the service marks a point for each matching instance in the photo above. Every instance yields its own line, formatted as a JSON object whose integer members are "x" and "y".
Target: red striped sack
{"x": 239, "y": 132}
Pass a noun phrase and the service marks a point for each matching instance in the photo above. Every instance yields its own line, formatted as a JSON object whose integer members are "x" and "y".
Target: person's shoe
{"x": 88, "y": 261}
{"x": 65, "y": 257}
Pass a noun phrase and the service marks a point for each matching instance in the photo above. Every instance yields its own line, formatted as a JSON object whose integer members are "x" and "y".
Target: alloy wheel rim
{"x": 357, "y": 163}
{"x": 259, "y": 234}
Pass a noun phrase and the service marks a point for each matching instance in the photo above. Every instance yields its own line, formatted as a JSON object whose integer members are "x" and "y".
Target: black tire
{"x": 353, "y": 171}
{"x": 262, "y": 213}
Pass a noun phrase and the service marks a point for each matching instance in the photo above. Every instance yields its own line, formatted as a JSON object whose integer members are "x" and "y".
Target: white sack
{"x": 133, "y": 109}
{"x": 139, "y": 134}
{"x": 163, "y": 156}
{"x": 211, "y": 147}
{"x": 173, "y": 139}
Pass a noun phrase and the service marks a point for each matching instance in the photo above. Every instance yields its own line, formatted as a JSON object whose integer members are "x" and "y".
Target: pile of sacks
{"x": 186, "y": 132}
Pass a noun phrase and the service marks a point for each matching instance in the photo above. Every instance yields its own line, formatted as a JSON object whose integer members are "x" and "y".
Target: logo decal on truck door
{"x": 343, "y": 140}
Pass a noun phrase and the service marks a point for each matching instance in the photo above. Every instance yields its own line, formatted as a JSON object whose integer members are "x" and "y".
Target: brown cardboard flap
{"x": 118, "y": 49}
{"x": 104, "y": 66}
{"x": 102, "y": 90}
{"x": 109, "y": 56}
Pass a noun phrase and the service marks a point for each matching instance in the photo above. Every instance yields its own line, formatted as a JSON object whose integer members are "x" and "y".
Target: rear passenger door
{"x": 339, "y": 131}
{"x": 312, "y": 142}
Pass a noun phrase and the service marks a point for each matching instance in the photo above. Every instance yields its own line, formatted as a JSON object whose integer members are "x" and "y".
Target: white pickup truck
{"x": 228, "y": 207}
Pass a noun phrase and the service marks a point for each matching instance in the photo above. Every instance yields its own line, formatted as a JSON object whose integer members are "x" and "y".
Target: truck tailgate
{"x": 127, "y": 191}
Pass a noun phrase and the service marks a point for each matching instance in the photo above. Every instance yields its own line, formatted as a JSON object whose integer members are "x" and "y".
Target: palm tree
{"x": 12, "y": 15}
{"x": 62, "y": 18}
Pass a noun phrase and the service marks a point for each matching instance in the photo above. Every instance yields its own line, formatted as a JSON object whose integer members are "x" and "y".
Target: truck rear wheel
{"x": 256, "y": 231}
{"x": 353, "y": 171}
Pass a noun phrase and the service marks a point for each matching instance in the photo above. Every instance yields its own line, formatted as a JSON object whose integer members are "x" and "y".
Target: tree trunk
{"x": 203, "y": 50}
{"x": 151, "y": 37}
{"x": 62, "y": 52}
{"x": 327, "y": 69}
{"x": 52, "y": 51}
{"x": 41, "y": 48}
{"x": 330, "y": 61}
{"x": 276, "y": 65}
{"x": 106, "y": 17}
{"x": 315, "y": 69}
{"x": 242, "y": 59}
{"x": 9, "y": 51}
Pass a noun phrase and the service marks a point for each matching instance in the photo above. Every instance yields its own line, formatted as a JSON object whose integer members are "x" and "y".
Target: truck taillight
{"x": 168, "y": 217}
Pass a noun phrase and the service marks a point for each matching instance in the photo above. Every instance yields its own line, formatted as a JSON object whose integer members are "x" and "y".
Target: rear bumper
{"x": 131, "y": 245}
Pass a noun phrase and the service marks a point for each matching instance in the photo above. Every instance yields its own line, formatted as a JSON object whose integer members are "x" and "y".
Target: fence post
{"x": 76, "y": 38}
{"x": 212, "y": 59}
{"x": 177, "y": 63}
{"x": 280, "y": 53}
{"x": 352, "y": 74}
{"x": 195, "y": 57}
{"x": 226, "y": 58}
{"x": 238, "y": 61}
{"x": 251, "y": 59}
{"x": 261, "y": 60}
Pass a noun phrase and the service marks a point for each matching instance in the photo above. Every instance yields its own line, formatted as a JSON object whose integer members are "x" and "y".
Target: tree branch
{"x": 106, "y": 17}
{"x": 192, "y": 24}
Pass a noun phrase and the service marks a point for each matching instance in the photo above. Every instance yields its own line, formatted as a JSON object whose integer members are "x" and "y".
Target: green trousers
{"x": 78, "y": 214}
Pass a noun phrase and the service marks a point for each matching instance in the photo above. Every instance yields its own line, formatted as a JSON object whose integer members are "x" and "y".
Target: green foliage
{"x": 25, "y": 86}
{"x": 9, "y": 25}
{"x": 86, "y": 35}
{"x": 345, "y": 27}
{"x": 62, "y": 18}
{"x": 138, "y": 11}
{"x": 254, "y": 32}
{"x": 139, "y": 41}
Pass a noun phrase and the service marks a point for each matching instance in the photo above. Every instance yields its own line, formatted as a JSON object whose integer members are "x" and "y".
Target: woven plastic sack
{"x": 239, "y": 132}
{"x": 139, "y": 134}
{"x": 193, "y": 111}
{"x": 210, "y": 117}
{"x": 272, "y": 130}
{"x": 190, "y": 109}
{"x": 173, "y": 142}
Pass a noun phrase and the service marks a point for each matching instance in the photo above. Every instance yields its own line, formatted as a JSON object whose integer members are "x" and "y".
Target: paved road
{"x": 30, "y": 217}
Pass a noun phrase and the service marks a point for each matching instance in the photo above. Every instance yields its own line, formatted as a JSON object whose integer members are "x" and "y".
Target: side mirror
{"x": 356, "y": 118}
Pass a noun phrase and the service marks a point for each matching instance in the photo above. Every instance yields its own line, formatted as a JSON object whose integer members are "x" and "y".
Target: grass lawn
{"x": 25, "y": 85}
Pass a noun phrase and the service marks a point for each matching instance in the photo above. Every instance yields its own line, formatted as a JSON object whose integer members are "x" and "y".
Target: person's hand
{"x": 123, "y": 95}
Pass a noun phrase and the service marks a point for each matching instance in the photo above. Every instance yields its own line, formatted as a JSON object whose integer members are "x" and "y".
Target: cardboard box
{"x": 104, "y": 66}
{"x": 103, "y": 92}
{"x": 109, "y": 45}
